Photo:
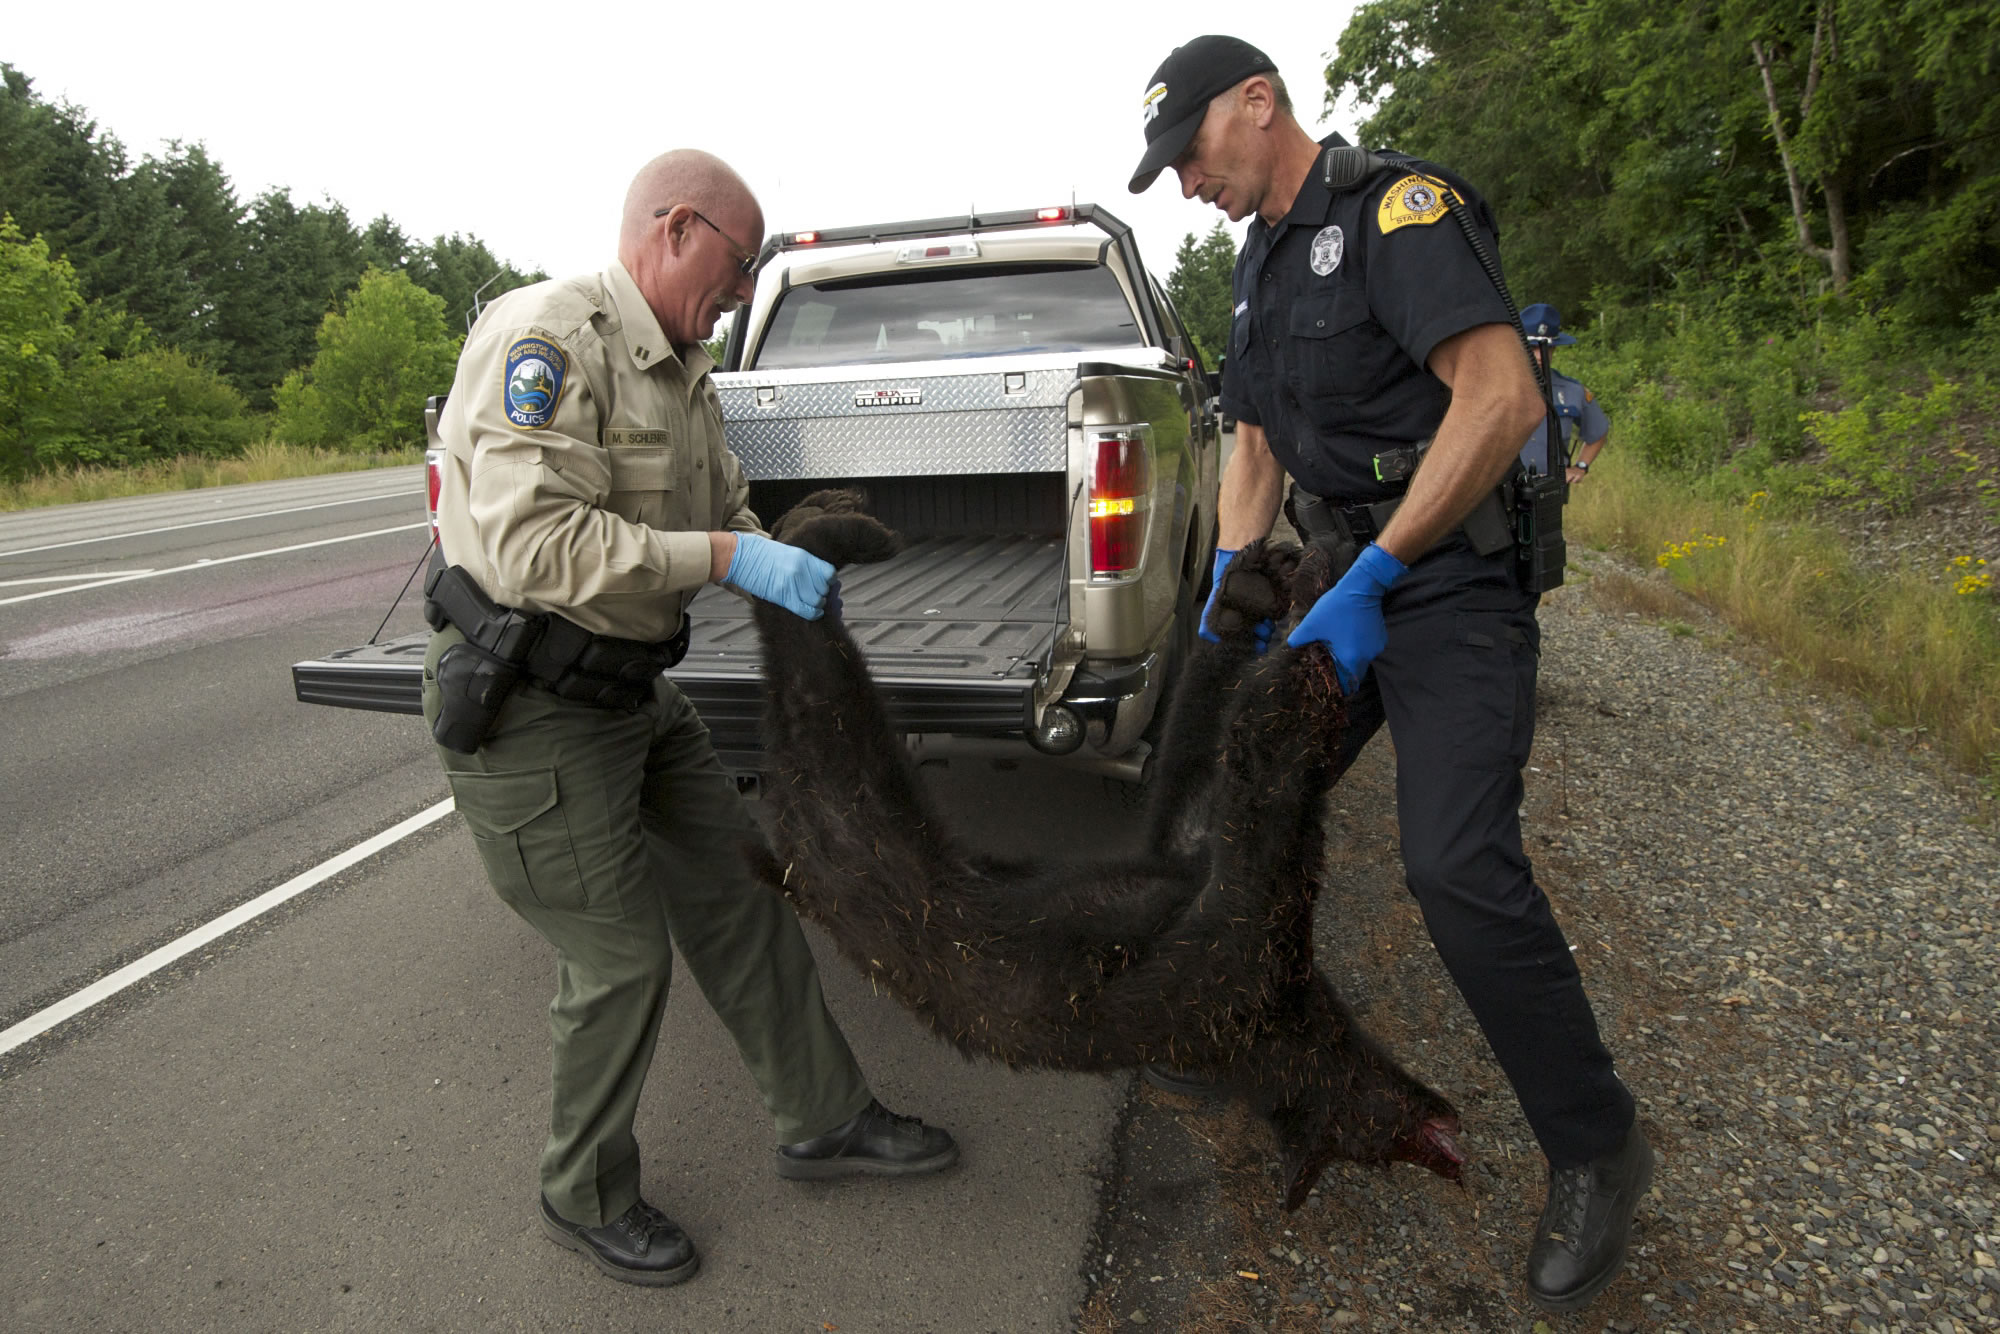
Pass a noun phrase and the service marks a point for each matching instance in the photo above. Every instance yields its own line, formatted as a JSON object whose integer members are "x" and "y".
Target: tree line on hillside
{"x": 1792, "y": 160}
{"x": 1776, "y": 228}
{"x": 148, "y": 311}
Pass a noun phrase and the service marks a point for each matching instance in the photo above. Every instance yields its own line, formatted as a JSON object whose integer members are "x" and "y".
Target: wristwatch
{"x": 1580, "y": 466}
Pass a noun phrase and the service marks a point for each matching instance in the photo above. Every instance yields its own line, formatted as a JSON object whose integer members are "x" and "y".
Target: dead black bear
{"x": 1196, "y": 954}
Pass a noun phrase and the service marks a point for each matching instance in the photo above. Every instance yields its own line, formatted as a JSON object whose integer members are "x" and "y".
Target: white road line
{"x": 66, "y": 578}
{"x": 203, "y": 523}
{"x": 41, "y": 1022}
{"x": 210, "y": 562}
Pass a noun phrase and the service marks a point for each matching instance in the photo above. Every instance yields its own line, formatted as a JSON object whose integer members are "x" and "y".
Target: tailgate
{"x": 386, "y": 677}
{"x": 956, "y": 631}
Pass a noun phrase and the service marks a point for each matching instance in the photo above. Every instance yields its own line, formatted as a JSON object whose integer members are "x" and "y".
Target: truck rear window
{"x": 927, "y": 315}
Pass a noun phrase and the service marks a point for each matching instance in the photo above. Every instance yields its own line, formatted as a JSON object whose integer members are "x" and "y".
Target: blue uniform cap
{"x": 1543, "y": 323}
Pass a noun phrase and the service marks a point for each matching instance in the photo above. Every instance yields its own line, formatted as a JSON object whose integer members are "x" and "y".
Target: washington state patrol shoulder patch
{"x": 1410, "y": 202}
{"x": 1327, "y": 249}
{"x": 533, "y": 382}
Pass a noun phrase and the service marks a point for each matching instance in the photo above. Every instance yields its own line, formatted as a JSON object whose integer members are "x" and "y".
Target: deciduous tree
{"x": 38, "y": 296}
{"x": 82, "y": 382}
{"x": 1758, "y": 154}
{"x": 380, "y": 355}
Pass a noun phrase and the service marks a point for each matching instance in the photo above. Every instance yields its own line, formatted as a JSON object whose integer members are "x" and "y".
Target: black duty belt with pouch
{"x": 504, "y": 646}
{"x": 1344, "y": 529}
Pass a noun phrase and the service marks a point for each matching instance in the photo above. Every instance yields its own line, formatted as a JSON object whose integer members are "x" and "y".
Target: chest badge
{"x": 1327, "y": 248}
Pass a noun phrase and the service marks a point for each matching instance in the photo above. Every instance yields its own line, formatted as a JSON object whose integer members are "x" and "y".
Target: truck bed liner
{"x": 964, "y": 665}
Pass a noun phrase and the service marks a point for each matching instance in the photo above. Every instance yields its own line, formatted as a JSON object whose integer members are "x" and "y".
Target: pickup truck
{"x": 1018, "y": 398}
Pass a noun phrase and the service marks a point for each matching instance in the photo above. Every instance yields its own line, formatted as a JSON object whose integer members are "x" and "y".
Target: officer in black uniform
{"x": 1365, "y": 327}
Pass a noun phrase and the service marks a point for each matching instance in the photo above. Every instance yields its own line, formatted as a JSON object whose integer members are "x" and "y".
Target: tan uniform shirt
{"x": 585, "y": 463}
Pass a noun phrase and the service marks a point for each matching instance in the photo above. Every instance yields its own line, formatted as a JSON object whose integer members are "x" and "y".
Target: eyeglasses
{"x": 746, "y": 264}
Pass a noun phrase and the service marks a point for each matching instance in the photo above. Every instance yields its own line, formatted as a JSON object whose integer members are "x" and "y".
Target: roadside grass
{"x": 1920, "y": 646}
{"x": 268, "y": 461}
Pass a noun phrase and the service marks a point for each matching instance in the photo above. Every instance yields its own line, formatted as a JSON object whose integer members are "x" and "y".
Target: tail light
{"x": 1121, "y": 500}
{"x": 434, "y": 482}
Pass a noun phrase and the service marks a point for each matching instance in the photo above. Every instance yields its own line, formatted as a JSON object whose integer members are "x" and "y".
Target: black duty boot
{"x": 641, "y": 1245}
{"x": 876, "y": 1141}
{"x": 1580, "y": 1242}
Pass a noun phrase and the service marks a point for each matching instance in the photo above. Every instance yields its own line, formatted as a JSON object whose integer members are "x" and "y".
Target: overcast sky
{"x": 523, "y": 124}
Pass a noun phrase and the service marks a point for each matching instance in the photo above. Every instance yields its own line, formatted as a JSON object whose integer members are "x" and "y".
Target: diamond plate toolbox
{"x": 903, "y": 420}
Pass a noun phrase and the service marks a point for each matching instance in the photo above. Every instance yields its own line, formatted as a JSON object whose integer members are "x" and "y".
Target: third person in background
{"x": 1581, "y": 415}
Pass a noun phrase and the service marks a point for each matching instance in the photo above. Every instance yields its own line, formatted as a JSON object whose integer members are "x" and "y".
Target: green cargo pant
{"x": 617, "y": 835}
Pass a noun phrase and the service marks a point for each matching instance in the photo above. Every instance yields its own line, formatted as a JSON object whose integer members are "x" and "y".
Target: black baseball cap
{"x": 1180, "y": 91}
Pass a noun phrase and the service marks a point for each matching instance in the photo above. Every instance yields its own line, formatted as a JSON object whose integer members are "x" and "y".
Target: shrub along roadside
{"x": 1848, "y": 414}
{"x": 1920, "y": 647}
{"x": 265, "y": 462}
{"x": 380, "y": 355}
{"x": 82, "y": 383}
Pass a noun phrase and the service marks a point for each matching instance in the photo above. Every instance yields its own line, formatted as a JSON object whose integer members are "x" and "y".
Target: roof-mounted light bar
{"x": 926, "y": 228}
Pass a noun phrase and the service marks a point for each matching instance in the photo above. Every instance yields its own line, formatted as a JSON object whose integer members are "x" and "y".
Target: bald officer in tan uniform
{"x": 587, "y": 477}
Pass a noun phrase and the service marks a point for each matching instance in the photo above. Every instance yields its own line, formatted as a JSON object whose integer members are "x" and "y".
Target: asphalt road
{"x": 330, "y": 1118}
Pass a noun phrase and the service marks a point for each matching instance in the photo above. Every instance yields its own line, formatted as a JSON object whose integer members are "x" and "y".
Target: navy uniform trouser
{"x": 617, "y": 836}
{"x": 1456, "y": 685}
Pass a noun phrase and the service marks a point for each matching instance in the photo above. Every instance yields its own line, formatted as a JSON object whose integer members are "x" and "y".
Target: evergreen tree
{"x": 65, "y": 181}
{"x": 1199, "y": 287}
{"x": 125, "y": 289}
{"x": 462, "y": 271}
{"x": 385, "y": 247}
{"x": 196, "y": 302}
{"x": 300, "y": 261}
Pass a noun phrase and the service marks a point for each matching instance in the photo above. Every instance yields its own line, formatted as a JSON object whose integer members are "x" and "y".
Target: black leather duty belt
{"x": 1488, "y": 529}
{"x": 549, "y": 650}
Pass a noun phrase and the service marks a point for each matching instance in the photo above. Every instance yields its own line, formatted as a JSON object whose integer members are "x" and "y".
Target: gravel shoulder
{"x": 1790, "y": 939}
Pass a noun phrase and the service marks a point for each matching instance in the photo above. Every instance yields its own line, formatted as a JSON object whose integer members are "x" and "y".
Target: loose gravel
{"x": 1790, "y": 938}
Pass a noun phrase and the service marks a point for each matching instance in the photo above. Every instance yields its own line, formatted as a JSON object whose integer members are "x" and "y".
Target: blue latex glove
{"x": 1222, "y": 559}
{"x": 793, "y": 578}
{"x": 1263, "y": 628}
{"x": 1348, "y": 617}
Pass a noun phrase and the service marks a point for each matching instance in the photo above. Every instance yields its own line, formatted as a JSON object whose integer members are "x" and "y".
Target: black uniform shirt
{"x": 1337, "y": 309}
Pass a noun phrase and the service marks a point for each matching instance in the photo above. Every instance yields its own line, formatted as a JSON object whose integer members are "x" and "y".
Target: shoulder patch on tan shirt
{"x": 531, "y": 379}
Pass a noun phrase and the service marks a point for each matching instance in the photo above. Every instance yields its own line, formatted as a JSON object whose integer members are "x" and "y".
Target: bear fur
{"x": 1195, "y": 953}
